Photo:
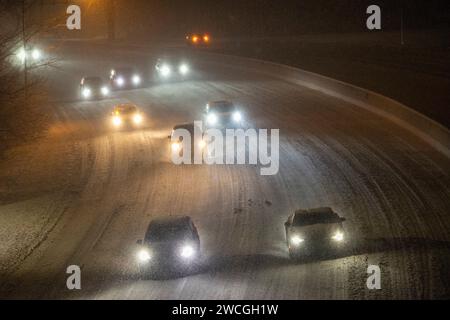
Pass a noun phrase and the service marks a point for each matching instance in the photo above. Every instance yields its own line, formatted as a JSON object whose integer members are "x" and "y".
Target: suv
{"x": 314, "y": 231}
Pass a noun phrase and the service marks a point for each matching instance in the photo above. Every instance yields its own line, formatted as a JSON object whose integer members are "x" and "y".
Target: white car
{"x": 314, "y": 232}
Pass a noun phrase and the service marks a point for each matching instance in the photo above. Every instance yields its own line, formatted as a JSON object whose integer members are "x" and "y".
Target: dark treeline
{"x": 270, "y": 17}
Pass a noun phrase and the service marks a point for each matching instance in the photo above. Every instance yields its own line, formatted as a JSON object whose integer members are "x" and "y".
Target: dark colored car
{"x": 171, "y": 68}
{"x": 169, "y": 242}
{"x": 125, "y": 77}
{"x": 93, "y": 87}
{"x": 222, "y": 114}
{"x": 198, "y": 39}
{"x": 198, "y": 140}
{"x": 314, "y": 232}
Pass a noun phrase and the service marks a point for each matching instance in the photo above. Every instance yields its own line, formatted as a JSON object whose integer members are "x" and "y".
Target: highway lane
{"x": 392, "y": 188}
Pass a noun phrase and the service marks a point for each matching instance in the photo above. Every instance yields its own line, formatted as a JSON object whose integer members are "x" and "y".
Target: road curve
{"x": 105, "y": 186}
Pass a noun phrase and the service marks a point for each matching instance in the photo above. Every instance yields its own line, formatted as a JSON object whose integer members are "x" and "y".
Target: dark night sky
{"x": 287, "y": 17}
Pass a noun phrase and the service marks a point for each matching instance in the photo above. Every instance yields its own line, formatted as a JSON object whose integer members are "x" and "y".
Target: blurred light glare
{"x": 296, "y": 240}
{"x": 137, "y": 119}
{"x": 144, "y": 255}
{"x": 212, "y": 118}
{"x": 36, "y": 54}
{"x": 117, "y": 121}
{"x": 136, "y": 79}
{"x": 237, "y": 117}
{"x": 22, "y": 55}
{"x": 120, "y": 81}
{"x": 187, "y": 251}
{"x": 165, "y": 70}
{"x": 86, "y": 92}
{"x": 105, "y": 91}
{"x": 184, "y": 69}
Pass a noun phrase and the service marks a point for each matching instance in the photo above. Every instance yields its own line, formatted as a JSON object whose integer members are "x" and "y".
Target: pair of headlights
{"x": 297, "y": 240}
{"x": 212, "y": 118}
{"x": 87, "y": 92}
{"x": 166, "y": 70}
{"x": 137, "y": 119}
{"x": 135, "y": 80}
{"x": 186, "y": 252}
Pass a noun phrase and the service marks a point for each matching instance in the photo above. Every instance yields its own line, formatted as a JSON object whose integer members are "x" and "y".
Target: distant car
{"x": 126, "y": 114}
{"x": 169, "y": 242}
{"x": 197, "y": 141}
{"x": 222, "y": 114}
{"x": 93, "y": 87}
{"x": 314, "y": 232}
{"x": 167, "y": 68}
{"x": 125, "y": 77}
{"x": 198, "y": 39}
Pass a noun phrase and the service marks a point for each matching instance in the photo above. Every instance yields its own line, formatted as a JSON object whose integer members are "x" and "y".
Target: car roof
{"x": 220, "y": 104}
{"x": 125, "y": 107}
{"x": 168, "y": 222}
{"x": 123, "y": 69}
{"x": 187, "y": 126}
{"x": 315, "y": 216}
{"x": 92, "y": 78}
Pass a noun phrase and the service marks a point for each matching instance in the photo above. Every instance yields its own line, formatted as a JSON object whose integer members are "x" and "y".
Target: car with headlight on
{"x": 169, "y": 243}
{"x": 93, "y": 87}
{"x": 125, "y": 78}
{"x": 172, "y": 69}
{"x": 314, "y": 232}
{"x": 126, "y": 115}
{"x": 198, "y": 140}
{"x": 222, "y": 114}
{"x": 198, "y": 39}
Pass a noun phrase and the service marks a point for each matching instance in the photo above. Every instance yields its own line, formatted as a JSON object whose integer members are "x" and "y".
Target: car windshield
{"x": 126, "y": 109}
{"x": 224, "y": 106}
{"x": 124, "y": 71}
{"x": 167, "y": 232}
{"x": 310, "y": 218}
{"x": 93, "y": 81}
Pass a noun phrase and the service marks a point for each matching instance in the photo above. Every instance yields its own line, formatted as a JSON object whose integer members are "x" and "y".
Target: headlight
{"x": 296, "y": 240}
{"x": 143, "y": 255}
{"x": 117, "y": 121}
{"x": 211, "y": 118}
{"x": 136, "y": 79}
{"x": 338, "y": 236}
{"x": 137, "y": 119}
{"x": 176, "y": 146}
{"x": 187, "y": 251}
{"x": 184, "y": 69}
{"x": 36, "y": 54}
{"x": 120, "y": 81}
{"x": 22, "y": 55}
{"x": 165, "y": 70}
{"x": 237, "y": 117}
{"x": 105, "y": 91}
{"x": 86, "y": 92}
